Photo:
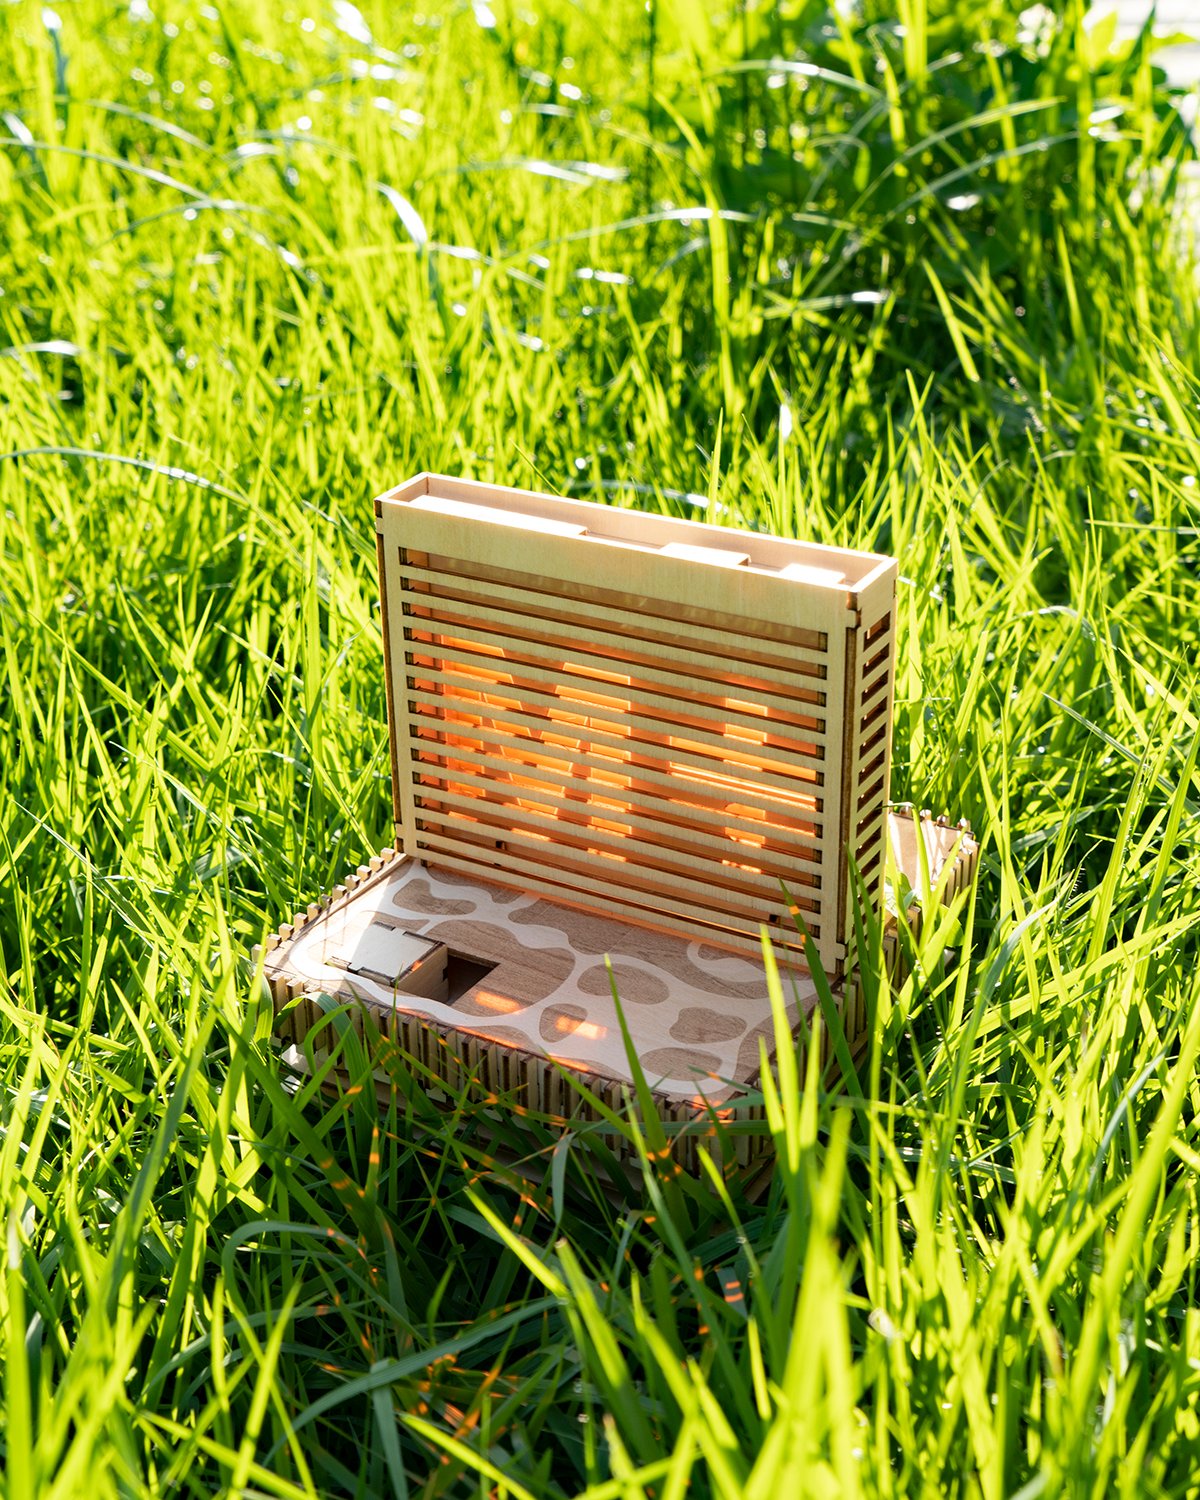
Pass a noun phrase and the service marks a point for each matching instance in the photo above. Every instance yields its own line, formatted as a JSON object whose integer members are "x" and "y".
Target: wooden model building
{"x": 620, "y": 736}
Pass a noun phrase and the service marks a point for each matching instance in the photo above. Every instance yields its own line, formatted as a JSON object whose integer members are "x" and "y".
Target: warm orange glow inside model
{"x": 499, "y": 1003}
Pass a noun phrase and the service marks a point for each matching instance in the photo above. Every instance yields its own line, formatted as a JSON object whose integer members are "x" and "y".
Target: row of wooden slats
{"x": 596, "y": 753}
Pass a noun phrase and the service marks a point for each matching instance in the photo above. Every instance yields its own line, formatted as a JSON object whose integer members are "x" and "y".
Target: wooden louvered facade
{"x": 672, "y": 723}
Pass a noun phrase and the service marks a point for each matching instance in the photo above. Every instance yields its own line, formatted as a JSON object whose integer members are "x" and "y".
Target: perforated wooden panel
{"x": 680, "y": 724}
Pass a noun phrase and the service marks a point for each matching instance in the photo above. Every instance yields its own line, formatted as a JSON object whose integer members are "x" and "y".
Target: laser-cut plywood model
{"x": 613, "y": 734}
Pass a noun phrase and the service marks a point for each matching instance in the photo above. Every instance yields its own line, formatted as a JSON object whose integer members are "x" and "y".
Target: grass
{"x": 919, "y": 293}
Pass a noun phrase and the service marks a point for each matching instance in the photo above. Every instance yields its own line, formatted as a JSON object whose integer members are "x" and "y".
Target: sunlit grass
{"x": 255, "y": 270}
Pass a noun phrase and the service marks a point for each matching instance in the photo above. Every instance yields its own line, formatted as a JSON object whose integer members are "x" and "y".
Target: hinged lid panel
{"x": 667, "y": 721}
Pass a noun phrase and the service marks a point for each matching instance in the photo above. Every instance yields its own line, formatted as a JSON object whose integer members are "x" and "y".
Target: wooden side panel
{"x": 868, "y": 758}
{"x": 522, "y": 1080}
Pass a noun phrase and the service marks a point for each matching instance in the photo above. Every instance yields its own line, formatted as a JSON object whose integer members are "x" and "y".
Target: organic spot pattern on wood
{"x": 698, "y": 1016}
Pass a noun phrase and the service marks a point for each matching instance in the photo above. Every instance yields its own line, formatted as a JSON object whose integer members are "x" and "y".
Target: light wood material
{"x": 609, "y": 706}
{"x": 696, "y": 1014}
{"x": 951, "y": 853}
{"x": 614, "y": 734}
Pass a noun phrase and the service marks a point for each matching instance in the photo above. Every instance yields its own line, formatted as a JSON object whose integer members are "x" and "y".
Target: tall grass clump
{"x": 908, "y": 278}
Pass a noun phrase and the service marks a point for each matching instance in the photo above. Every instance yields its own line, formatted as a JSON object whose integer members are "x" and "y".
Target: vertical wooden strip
{"x": 390, "y": 665}
{"x": 400, "y": 714}
{"x": 892, "y": 634}
{"x": 839, "y": 819}
{"x": 876, "y": 840}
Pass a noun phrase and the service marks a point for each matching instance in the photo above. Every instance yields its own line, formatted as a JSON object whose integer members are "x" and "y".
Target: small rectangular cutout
{"x": 871, "y": 793}
{"x": 463, "y": 973}
{"x": 805, "y": 573}
{"x": 721, "y": 556}
{"x": 869, "y": 718}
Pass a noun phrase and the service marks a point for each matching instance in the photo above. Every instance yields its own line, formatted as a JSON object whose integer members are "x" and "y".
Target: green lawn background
{"x": 906, "y": 278}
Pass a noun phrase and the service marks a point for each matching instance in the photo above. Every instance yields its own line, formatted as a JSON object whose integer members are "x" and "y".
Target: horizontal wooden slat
{"x": 673, "y": 772}
{"x": 684, "y": 809}
{"x": 723, "y": 900}
{"x": 628, "y": 884}
{"x": 628, "y": 725}
{"x": 872, "y": 792}
{"x": 656, "y": 821}
{"x": 620, "y": 626}
{"x": 728, "y": 864}
{"x": 440, "y": 633}
{"x": 565, "y": 884}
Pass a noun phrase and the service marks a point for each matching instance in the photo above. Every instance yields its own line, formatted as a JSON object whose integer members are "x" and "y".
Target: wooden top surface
{"x": 542, "y": 517}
